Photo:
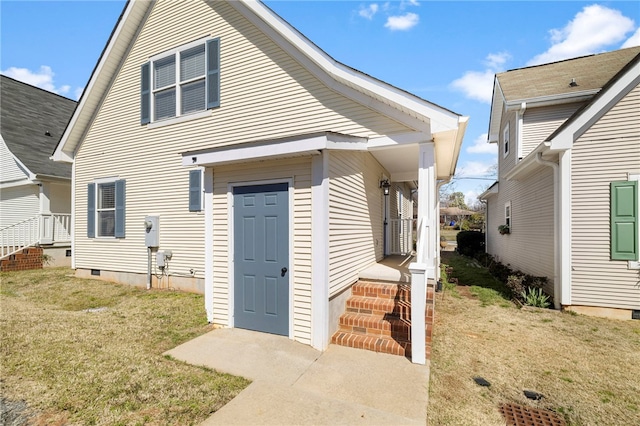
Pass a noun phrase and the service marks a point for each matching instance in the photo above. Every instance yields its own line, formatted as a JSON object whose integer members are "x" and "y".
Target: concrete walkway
{"x": 293, "y": 384}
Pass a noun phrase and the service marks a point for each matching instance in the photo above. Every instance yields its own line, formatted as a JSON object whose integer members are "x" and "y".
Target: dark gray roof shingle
{"x": 590, "y": 73}
{"x": 27, "y": 113}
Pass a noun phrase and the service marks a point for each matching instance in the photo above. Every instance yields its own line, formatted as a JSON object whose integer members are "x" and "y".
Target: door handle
{"x": 283, "y": 271}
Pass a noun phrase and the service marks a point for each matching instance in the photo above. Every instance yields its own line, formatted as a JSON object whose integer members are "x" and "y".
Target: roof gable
{"x": 31, "y": 124}
{"x": 377, "y": 95}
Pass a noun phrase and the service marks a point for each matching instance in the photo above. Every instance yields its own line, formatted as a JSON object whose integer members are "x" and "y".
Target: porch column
{"x": 427, "y": 214}
{"x": 425, "y": 266}
{"x": 208, "y": 242}
{"x": 320, "y": 251}
{"x": 46, "y": 219}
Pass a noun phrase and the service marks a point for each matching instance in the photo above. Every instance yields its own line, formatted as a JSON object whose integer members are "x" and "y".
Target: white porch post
{"x": 46, "y": 219}
{"x": 208, "y": 242}
{"x": 424, "y": 268}
{"x": 320, "y": 251}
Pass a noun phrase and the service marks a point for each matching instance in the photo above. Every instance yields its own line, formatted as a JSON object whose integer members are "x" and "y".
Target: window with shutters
{"x": 106, "y": 209}
{"x": 183, "y": 81}
{"x": 624, "y": 206}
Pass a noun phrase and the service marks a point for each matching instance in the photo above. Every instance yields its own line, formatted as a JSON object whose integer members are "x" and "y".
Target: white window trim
{"x": 635, "y": 264}
{"x": 506, "y": 141}
{"x": 508, "y": 215}
{"x": 176, "y": 85}
{"x": 97, "y": 183}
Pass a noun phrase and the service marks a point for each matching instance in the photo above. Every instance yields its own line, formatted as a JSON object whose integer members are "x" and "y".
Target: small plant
{"x": 504, "y": 229}
{"x": 516, "y": 284}
{"x": 535, "y": 297}
{"x": 46, "y": 259}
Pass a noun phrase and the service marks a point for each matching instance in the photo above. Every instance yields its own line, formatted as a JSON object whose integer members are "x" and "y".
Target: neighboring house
{"x": 35, "y": 192}
{"x": 259, "y": 160}
{"x": 569, "y": 162}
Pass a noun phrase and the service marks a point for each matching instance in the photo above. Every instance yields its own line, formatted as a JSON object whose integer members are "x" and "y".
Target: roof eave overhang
{"x": 490, "y": 192}
{"x": 529, "y": 164}
{"x": 110, "y": 61}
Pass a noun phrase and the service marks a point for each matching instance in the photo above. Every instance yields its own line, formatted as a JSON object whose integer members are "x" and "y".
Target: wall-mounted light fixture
{"x": 385, "y": 185}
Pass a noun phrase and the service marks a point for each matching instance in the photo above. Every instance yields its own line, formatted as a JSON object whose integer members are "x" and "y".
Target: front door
{"x": 261, "y": 258}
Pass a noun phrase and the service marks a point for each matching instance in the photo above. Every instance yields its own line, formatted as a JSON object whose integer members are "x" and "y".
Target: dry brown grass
{"x": 588, "y": 368}
{"x": 104, "y": 366}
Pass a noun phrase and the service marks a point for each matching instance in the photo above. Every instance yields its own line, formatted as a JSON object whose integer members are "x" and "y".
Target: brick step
{"x": 381, "y": 290}
{"x": 389, "y": 325}
{"x": 378, "y": 307}
{"x": 383, "y": 344}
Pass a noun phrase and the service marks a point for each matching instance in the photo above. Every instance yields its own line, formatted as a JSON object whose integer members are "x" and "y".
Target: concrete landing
{"x": 295, "y": 384}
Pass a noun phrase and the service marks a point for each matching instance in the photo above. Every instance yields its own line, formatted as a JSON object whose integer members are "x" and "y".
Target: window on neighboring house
{"x": 505, "y": 141}
{"x": 185, "y": 81}
{"x": 106, "y": 209}
{"x": 507, "y": 214}
{"x": 624, "y": 220}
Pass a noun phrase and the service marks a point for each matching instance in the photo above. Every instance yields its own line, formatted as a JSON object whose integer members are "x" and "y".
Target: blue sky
{"x": 444, "y": 51}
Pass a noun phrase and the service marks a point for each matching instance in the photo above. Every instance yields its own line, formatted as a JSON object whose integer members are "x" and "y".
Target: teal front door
{"x": 261, "y": 258}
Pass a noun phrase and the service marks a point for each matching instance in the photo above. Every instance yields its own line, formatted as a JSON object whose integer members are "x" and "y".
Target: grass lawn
{"x": 587, "y": 368}
{"x": 90, "y": 352}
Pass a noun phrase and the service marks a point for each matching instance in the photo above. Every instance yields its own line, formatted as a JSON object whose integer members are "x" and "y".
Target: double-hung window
{"x": 184, "y": 81}
{"x": 106, "y": 209}
{"x": 505, "y": 141}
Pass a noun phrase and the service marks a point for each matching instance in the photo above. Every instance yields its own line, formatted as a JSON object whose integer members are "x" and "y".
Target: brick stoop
{"x": 377, "y": 318}
{"x": 26, "y": 259}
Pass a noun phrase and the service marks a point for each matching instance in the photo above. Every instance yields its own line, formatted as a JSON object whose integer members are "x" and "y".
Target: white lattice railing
{"x": 401, "y": 236}
{"x": 42, "y": 229}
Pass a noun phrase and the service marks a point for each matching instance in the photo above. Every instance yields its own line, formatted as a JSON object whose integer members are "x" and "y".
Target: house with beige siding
{"x": 217, "y": 150}
{"x": 569, "y": 163}
{"x": 35, "y": 192}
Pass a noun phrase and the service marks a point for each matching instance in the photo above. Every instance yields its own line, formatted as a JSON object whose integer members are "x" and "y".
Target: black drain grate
{"x": 518, "y": 415}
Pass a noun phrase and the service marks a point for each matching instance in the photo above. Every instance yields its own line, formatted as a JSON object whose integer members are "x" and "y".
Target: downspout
{"x": 557, "y": 228}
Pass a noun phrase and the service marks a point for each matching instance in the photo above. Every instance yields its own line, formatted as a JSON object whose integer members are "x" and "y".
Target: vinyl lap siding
{"x": 606, "y": 152}
{"x": 355, "y": 216}
{"x": 299, "y": 170}
{"x": 18, "y": 203}
{"x": 9, "y": 169}
{"x": 264, "y": 94}
{"x": 529, "y": 247}
{"x": 540, "y": 123}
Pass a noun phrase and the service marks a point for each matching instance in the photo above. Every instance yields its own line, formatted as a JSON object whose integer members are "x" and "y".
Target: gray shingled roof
{"x": 27, "y": 113}
{"x": 590, "y": 72}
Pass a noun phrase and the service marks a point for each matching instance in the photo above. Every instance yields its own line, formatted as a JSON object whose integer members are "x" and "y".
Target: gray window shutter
{"x": 624, "y": 220}
{"x": 213, "y": 73}
{"x": 120, "y": 208}
{"x": 145, "y": 94}
{"x": 91, "y": 210}
{"x": 195, "y": 190}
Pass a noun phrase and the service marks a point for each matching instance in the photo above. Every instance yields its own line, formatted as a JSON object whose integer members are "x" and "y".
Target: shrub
{"x": 516, "y": 284}
{"x": 535, "y": 297}
{"x": 470, "y": 243}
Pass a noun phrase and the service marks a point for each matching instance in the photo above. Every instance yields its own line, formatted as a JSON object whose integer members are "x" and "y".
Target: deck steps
{"x": 377, "y": 318}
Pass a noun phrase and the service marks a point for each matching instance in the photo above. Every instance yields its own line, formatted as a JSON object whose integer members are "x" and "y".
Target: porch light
{"x": 385, "y": 185}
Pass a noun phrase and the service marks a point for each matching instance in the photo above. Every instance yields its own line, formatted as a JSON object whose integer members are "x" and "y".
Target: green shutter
{"x": 195, "y": 190}
{"x": 91, "y": 210}
{"x": 213, "y": 73}
{"x": 145, "y": 93}
{"x": 624, "y": 220}
{"x": 120, "y": 210}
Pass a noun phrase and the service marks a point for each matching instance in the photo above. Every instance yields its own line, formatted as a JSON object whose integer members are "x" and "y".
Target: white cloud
{"x": 367, "y": 12}
{"x": 481, "y": 146}
{"x": 476, "y": 169}
{"x": 478, "y": 85}
{"x": 78, "y": 92}
{"x": 591, "y": 30}
{"x": 632, "y": 41}
{"x": 405, "y": 3}
{"x": 43, "y": 78}
{"x": 402, "y": 22}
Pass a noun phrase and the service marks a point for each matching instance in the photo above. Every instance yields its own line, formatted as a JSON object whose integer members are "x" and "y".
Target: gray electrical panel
{"x": 152, "y": 228}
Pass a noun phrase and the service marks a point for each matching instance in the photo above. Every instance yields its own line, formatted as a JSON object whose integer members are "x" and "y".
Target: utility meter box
{"x": 152, "y": 231}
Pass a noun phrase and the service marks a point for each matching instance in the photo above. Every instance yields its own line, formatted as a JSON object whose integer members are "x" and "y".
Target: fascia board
{"x": 562, "y": 98}
{"x": 495, "y": 113}
{"x": 308, "y": 145}
{"x": 489, "y": 192}
{"x": 398, "y": 139}
{"x": 528, "y": 164}
{"x": 306, "y": 53}
{"x": 108, "y": 64}
{"x": 16, "y": 183}
{"x": 565, "y": 138}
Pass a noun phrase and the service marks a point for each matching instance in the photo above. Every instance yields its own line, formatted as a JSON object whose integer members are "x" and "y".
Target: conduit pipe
{"x": 557, "y": 259}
